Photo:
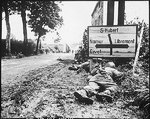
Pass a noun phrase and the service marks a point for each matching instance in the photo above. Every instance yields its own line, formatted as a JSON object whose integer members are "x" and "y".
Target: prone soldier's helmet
{"x": 110, "y": 64}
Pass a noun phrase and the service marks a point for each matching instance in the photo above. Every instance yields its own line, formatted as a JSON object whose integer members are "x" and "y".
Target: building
{"x": 75, "y": 47}
{"x": 101, "y": 15}
{"x": 57, "y": 47}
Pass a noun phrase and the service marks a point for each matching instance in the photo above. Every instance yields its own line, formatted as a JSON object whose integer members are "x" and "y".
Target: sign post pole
{"x": 91, "y": 62}
{"x": 138, "y": 49}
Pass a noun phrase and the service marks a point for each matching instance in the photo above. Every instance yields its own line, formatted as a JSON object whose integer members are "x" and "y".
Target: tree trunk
{"x": 40, "y": 45}
{"x": 23, "y": 16}
{"x": 8, "y": 45}
{"x": 37, "y": 46}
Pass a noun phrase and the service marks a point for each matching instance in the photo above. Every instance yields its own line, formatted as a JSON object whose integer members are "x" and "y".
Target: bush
{"x": 31, "y": 47}
{"x": 3, "y": 47}
{"x": 85, "y": 44}
{"x": 17, "y": 47}
{"x": 144, "y": 50}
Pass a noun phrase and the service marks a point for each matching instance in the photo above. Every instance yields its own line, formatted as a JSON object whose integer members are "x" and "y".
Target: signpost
{"x": 112, "y": 41}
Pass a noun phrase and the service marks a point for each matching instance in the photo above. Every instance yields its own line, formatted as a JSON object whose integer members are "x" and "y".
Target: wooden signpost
{"x": 119, "y": 42}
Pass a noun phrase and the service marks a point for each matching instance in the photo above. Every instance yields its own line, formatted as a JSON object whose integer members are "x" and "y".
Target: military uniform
{"x": 102, "y": 84}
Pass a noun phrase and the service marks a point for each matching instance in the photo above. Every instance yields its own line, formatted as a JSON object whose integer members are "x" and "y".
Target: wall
{"x": 99, "y": 14}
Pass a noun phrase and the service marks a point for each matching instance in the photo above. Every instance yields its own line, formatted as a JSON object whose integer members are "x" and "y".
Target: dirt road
{"x": 13, "y": 68}
{"x": 44, "y": 87}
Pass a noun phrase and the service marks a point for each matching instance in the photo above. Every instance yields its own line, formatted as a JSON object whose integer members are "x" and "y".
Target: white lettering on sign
{"x": 108, "y": 30}
{"x": 124, "y": 41}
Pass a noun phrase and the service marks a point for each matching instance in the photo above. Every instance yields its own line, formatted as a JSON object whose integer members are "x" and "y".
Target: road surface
{"x": 12, "y": 68}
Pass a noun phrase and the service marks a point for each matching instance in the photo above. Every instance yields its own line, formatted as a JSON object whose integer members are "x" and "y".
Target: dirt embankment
{"x": 48, "y": 92}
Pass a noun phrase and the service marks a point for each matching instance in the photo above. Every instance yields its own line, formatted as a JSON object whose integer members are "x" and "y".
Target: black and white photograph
{"x": 75, "y": 59}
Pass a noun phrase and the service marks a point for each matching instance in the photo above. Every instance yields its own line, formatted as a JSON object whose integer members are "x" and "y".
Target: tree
{"x": 21, "y": 7}
{"x": 44, "y": 15}
{"x": 85, "y": 43}
{"x": 5, "y": 8}
{"x": 23, "y": 16}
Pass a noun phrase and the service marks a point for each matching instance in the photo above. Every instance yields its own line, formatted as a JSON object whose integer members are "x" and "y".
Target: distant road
{"x": 11, "y": 68}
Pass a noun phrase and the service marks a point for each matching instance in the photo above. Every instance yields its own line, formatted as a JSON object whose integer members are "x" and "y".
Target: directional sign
{"x": 112, "y": 41}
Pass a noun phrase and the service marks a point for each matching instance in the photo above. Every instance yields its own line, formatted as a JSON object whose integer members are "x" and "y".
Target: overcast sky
{"x": 77, "y": 16}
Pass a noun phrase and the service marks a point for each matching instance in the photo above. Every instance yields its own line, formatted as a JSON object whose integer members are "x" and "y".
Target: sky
{"x": 77, "y": 16}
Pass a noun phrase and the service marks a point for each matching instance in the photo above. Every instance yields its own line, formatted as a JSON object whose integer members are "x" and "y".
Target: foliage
{"x": 44, "y": 15}
{"x": 135, "y": 88}
{"x": 16, "y": 7}
{"x": 144, "y": 103}
{"x": 144, "y": 49}
{"x": 3, "y": 47}
{"x": 82, "y": 54}
{"x": 85, "y": 43}
{"x": 10, "y": 6}
{"x": 20, "y": 7}
{"x": 17, "y": 47}
{"x": 5, "y": 8}
{"x": 56, "y": 48}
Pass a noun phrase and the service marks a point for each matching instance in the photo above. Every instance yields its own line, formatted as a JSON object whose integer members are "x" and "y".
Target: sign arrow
{"x": 111, "y": 45}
